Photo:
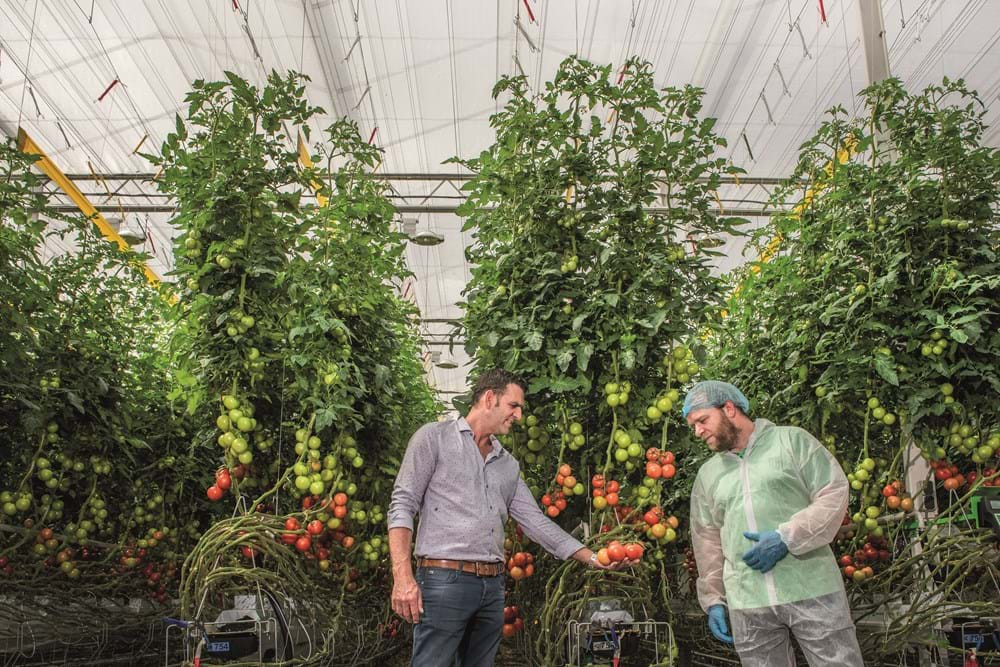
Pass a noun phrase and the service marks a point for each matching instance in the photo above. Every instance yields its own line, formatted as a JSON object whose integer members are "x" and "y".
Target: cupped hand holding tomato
{"x": 588, "y": 557}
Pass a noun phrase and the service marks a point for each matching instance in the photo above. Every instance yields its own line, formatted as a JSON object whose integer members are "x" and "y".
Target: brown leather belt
{"x": 478, "y": 568}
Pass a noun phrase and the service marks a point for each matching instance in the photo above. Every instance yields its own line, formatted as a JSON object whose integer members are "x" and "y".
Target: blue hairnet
{"x": 714, "y": 394}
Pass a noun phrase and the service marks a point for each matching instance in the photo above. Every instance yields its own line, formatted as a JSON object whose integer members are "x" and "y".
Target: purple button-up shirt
{"x": 464, "y": 501}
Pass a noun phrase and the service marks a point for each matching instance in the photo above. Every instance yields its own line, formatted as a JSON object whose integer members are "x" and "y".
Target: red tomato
{"x": 612, "y": 498}
{"x": 509, "y": 630}
{"x": 652, "y": 454}
{"x": 315, "y": 527}
{"x": 214, "y": 493}
{"x": 291, "y": 523}
{"x": 303, "y": 543}
{"x": 633, "y": 551}
{"x": 669, "y": 471}
{"x": 616, "y": 552}
{"x": 651, "y": 518}
{"x": 846, "y": 560}
{"x": 666, "y": 457}
{"x": 612, "y": 486}
{"x": 520, "y": 559}
{"x": 597, "y": 481}
{"x": 653, "y": 470}
{"x": 340, "y": 499}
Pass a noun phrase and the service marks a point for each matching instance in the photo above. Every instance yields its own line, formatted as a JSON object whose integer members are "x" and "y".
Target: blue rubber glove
{"x": 768, "y": 551}
{"x": 717, "y": 623}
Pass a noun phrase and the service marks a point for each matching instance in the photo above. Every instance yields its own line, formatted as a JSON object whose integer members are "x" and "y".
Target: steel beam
{"x": 873, "y": 40}
{"x": 428, "y": 177}
{"x": 427, "y": 208}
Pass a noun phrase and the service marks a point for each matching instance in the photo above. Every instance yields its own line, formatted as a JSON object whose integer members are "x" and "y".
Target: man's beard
{"x": 727, "y": 436}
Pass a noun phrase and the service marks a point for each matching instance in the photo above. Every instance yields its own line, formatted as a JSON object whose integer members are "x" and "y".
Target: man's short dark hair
{"x": 497, "y": 381}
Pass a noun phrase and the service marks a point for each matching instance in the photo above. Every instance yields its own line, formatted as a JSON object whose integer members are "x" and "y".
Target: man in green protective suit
{"x": 764, "y": 511}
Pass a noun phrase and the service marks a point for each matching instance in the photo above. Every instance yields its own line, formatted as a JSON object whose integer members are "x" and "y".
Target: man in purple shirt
{"x": 464, "y": 485}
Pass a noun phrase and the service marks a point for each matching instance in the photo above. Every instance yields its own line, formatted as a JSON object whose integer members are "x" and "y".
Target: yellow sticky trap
{"x": 843, "y": 155}
{"x": 306, "y": 161}
{"x": 27, "y": 145}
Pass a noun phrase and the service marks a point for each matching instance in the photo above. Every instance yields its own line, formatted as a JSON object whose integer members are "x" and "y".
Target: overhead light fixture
{"x": 427, "y": 238}
{"x": 446, "y": 363}
{"x": 408, "y": 226}
{"x": 129, "y": 229}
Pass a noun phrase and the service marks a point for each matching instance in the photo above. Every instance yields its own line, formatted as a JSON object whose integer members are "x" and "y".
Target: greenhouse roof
{"x": 95, "y": 83}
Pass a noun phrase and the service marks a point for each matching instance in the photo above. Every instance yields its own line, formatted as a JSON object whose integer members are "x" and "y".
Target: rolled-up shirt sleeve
{"x": 414, "y": 475}
{"x": 539, "y": 527}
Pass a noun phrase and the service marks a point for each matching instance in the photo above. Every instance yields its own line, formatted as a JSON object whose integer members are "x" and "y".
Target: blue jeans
{"x": 462, "y": 620}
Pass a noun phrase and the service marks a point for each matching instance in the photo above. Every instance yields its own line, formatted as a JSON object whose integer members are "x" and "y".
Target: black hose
{"x": 287, "y": 648}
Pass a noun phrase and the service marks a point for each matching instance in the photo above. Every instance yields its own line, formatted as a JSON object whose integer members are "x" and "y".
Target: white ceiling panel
{"x": 422, "y": 74}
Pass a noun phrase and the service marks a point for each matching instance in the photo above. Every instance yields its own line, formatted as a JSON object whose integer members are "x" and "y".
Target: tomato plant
{"x": 874, "y": 327}
{"x": 93, "y": 484}
{"x": 294, "y": 354}
{"x": 592, "y": 279}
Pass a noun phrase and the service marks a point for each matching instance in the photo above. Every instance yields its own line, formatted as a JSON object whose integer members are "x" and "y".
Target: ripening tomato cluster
{"x": 947, "y": 473}
{"x": 521, "y": 565}
{"x": 616, "y": 552}
{"x": 566, "y": 486}
{"x": 223, "y": 482}
{"x": 512, "y": 621}
{"x": 659, "y": 527}
{"x": 692, "y": 566}
{"x": 864, "y": 562}
{"x": 896, "y": 498}
{"x": 660, "y": 465}
{"x": 987, "y": 473}
{"x": 313, "y": 540}
{"x": 605, "y": 492}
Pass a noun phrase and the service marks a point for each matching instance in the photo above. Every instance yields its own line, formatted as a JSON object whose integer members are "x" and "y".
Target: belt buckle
{"x": 486, "y": 570}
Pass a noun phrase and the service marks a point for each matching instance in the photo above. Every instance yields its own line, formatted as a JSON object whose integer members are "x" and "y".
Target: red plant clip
{"x": 372, "y": 137}
{"x": 822, "y": 12}
{"x": 531, "y": 14}
{"x": 107, "y": 90}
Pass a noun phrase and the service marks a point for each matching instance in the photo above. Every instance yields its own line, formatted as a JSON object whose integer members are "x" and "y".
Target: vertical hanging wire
{"x": 847, "y": 60}
{"x": 27, "y": 64}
